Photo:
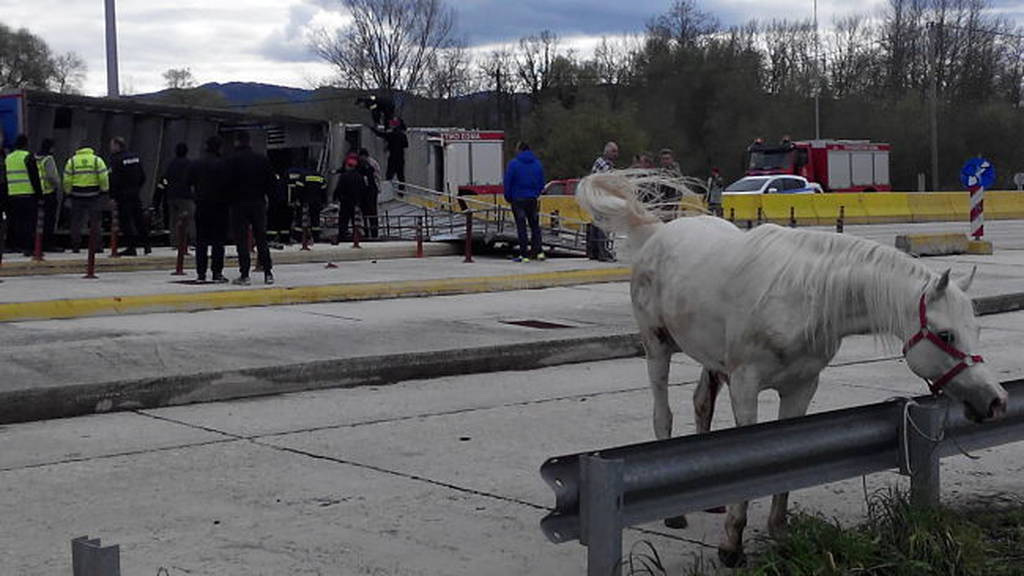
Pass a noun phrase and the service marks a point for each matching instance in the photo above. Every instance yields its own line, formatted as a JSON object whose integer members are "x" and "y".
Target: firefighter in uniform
{"x": 25, "y": 193}
{"x": 85, "y": 179}
{"x": 314, "y": 195}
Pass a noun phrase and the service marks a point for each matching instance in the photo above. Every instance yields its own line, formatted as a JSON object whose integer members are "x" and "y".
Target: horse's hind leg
{"x": 704, "y": 396}
{"x": 744, "y": 386}
{"x": 792, "y": 404}
{"x": 659, "y": 354}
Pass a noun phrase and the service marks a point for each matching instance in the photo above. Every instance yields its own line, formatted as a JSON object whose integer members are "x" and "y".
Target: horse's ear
{"x": 965, "y": 282}
{"x": 942, "y": 284}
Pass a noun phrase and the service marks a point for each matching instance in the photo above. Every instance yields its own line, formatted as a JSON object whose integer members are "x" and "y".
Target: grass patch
{"x": 984, "y": 539}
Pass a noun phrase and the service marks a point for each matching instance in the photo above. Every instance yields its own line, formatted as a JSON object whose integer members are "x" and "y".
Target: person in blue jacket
{"x": 524, "y": 181}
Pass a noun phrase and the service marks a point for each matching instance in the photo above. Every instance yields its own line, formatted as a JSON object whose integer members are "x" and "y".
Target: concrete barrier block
{"x": 932, "y": 244}
{"x": 979, "y": 247}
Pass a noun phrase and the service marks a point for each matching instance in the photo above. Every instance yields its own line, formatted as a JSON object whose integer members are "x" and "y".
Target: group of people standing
{"x": 210, "y": 199}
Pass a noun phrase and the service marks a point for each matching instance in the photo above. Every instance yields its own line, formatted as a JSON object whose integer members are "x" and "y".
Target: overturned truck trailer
{"x": 153, "y": 129}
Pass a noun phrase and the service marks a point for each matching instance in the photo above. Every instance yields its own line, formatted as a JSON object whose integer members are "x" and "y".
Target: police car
{"x": 773, "y": 184}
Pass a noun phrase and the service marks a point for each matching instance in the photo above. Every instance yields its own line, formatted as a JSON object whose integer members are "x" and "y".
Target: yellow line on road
{"x": 195, "y": 301}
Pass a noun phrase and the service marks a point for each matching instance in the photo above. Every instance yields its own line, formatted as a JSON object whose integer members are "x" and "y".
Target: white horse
{"x": 768, "y": 309}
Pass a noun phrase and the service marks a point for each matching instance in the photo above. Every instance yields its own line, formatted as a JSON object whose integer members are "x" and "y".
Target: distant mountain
{"x": 241, "y": 93}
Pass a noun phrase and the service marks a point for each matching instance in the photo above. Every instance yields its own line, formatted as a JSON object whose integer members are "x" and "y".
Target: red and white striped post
{"x": 977, "y": 212}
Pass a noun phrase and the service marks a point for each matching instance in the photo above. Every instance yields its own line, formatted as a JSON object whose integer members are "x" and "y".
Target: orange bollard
{"x": 179, "y": 266}
{"x": 115, "y": 229}
{"x": 305, "y": 227}
{"x": 419, "y": 236}
{"x": 469, "y": 237}
{"x": 90, "y": 265}
{"x": 37, "y": 252}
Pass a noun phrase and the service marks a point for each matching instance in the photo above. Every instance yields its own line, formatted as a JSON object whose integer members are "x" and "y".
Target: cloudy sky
{"x": 267, "y": 40}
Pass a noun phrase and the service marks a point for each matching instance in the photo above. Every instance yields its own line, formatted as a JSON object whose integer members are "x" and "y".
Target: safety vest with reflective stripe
{"x": 18, "y": 183}
{"x": 85, "y": 174}
{"x": 41, "y": 162}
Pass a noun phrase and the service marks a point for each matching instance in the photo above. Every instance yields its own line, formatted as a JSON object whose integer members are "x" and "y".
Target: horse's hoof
{"x": 676, "y": 522}
{"x": 716, "y": 510}
{"x": 732, "y": 558}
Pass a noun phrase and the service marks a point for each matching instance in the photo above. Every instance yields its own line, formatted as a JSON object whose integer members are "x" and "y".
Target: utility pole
{"x": 817, "y": 76}
{"x": 933, "y": 45}
{"x": 112, "y": 89}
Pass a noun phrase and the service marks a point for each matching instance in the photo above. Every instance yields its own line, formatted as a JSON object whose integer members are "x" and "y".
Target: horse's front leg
{"x": 744, "y": 386}
{"x": 792, "y": 404}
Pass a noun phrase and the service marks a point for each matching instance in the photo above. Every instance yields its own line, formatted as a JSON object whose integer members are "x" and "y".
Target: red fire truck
{"x": 838, "y": 165}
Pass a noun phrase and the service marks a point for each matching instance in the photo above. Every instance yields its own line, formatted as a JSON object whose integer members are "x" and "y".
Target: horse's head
{"x": 944, "y": 349}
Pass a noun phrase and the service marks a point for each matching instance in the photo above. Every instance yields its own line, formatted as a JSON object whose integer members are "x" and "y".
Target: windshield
{"x": 772, "y": 160}
{"x": 746, "y": 185}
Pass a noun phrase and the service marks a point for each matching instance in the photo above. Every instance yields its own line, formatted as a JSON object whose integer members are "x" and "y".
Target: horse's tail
{"x": 613, "y": 201}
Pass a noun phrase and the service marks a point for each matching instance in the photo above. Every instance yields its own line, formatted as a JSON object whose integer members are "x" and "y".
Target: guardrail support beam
{"x": 919, "y": 437}
{"x": 89, "y": 558}
{"x": 601, "y": 514}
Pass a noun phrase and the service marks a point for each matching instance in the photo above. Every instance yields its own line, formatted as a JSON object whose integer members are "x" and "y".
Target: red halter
{"x": 965, "y": 361}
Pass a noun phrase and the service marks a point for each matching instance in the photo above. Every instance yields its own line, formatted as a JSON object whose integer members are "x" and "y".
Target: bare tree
{"x": 497, "y": 75}
{"x": 534, "y": 57}
{"x": 615, "y": 61}
{"x": 179, "y": 78}
{"x": 850, "y": 59}
{"x": 448, "y": 72}
{"x": 25, "y": 59}
{"x": 389, "y": 44}
{"x": 684, "y": 24}
{"x": 69, "y": 71}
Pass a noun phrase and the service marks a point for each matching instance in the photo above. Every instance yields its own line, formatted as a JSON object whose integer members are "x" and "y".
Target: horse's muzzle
{"x": 996, "y": 411}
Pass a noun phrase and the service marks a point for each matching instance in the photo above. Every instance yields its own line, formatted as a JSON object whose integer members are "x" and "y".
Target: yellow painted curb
{"x": 191, "y": 302}
{"x": 979, "y": 247}
{"x": 932, "y": 244}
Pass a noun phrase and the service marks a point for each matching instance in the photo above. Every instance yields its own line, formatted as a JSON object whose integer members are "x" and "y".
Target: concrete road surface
{"x": 424, "y": 477}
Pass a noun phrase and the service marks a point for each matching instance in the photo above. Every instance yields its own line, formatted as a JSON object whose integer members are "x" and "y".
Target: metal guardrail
{"x": 598, "y": 494}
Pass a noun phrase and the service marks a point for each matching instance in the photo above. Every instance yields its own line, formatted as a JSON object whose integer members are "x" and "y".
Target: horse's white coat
{"x": 768, "y": 309}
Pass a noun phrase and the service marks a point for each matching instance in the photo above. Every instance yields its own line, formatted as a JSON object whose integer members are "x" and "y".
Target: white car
{"x": 773, "y": 184}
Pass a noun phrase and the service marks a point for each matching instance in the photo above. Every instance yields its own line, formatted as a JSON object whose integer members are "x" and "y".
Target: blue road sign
{"x": 978, "y": 172}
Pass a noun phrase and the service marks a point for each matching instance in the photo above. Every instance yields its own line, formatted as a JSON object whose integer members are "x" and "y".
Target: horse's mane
{"x": 840, "y": 275}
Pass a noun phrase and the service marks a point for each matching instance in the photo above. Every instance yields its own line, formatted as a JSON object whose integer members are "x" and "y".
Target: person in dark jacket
{"x": 381, "y": 108}
{"x": 313, "y": 197}
{"x": 209, "y": 179}
{"x": 397, "y": 141}
{"x": 368, "y": 202}
{"x": 251, "y": 181}
{"x": 174, "y": 189}
{"x": 349, "y": 192}
{"x": 126, "y": 179}
{"x": 524, "y": 181}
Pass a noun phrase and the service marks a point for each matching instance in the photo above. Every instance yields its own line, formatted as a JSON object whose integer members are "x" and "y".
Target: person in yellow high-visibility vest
{"x": 49, "y": 178}
{"x": 25, "y": 193}
{"x": 85, "y": 180}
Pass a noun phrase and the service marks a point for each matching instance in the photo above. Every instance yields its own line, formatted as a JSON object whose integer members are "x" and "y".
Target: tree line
{"x": 707, "y": 90}
{"x": 26, "y": 61}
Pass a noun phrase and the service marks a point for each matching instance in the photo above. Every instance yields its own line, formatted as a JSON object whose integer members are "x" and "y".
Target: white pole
{"x": 112, "y": 88}
{"x": 817, "y": 76}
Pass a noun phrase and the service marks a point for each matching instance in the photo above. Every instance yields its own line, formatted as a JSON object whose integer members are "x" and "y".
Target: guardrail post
{"x": 732, "y": 215}
{"x": 88, "y": 558}
{"x": 920, "y": 434}
{"x": 37, "y": 249}
{"x": 841, "y": 221}
{"x": 601, "y": 514}
{"x": 792, "y": 217}
{"x": 419, "y": 236}
{"x": 115, "y": 228}
{"x": 760, "y": 216}
{"x": 469, "y": 237}
{"x": 90, "y": 262}
{"x": 179, "y": 263}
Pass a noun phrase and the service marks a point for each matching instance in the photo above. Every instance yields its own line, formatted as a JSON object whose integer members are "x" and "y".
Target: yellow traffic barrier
{"x": 741, "y": 207}
{"x": 930, "y": 207}
{"x": 828, "y": 208}
{"x": 1003, "y": 205}
{"x": 777, "y": 208}
{"x": 882, "y": 207}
